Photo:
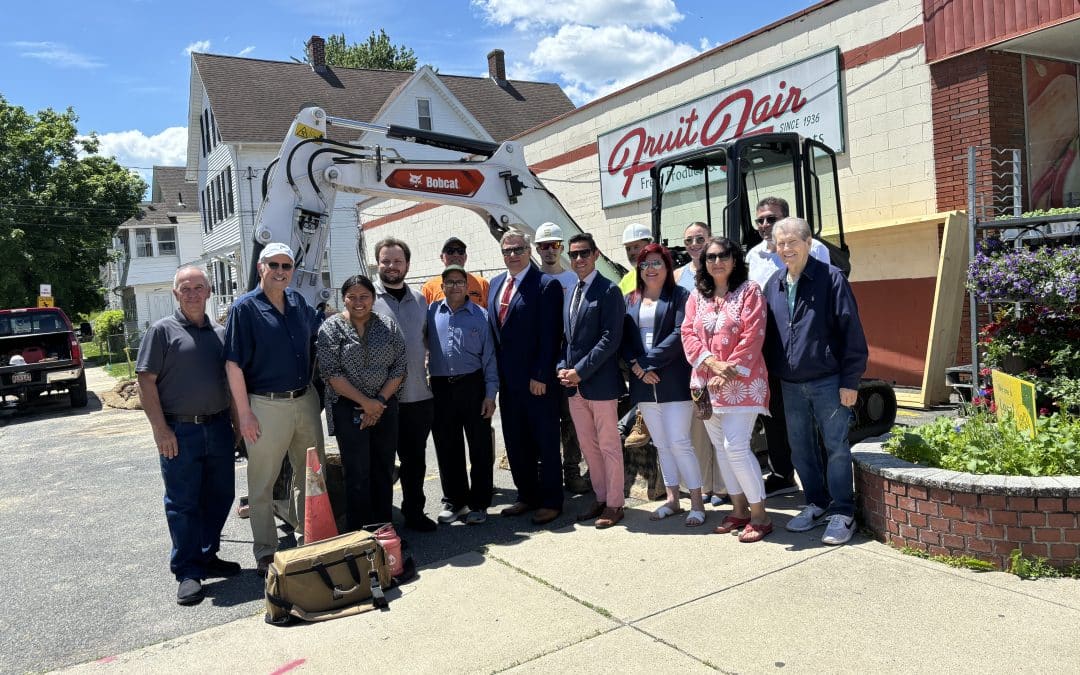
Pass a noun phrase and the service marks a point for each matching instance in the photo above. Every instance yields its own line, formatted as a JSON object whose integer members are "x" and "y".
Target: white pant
{"x": 669, "y": 426}
{"x": 730, "y": 433}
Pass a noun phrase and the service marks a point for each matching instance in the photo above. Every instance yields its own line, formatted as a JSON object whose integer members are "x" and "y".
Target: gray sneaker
{"x": 450, "y": 513}
{"x": 475, "y": 517}
{"x": 839, "y": 530}
{"x": 808, "y": 519}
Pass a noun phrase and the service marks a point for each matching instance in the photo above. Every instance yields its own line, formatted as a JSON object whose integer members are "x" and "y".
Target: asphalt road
{"x": 84, "y": 545}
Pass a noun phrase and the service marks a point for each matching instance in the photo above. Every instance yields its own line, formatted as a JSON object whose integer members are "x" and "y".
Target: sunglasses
{"x": 513, "y": 250}
{"x": 690, "y": 241}
{"x": 766, "y": 219}
{"x": 548, "y": 245}
{"x": 275, "y": 265}
{"x": 716, "y": 257}
{"x": 582, "y": 254}
{"x": 456, "y": 250}
{"x": 650, "y": 264}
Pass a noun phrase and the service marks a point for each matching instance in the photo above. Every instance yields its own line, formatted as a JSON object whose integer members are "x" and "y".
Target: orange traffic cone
{"x": 318, "y": 516}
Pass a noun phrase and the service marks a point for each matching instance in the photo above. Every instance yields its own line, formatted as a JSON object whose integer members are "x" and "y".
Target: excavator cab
{"x": 721, "y": 186}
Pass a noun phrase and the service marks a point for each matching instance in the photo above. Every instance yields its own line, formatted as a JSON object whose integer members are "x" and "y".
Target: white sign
{"x": 803, "y": 98}
{"x": 45, "y": 291}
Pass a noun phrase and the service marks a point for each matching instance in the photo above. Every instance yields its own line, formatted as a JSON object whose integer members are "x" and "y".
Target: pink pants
{"x": 597, "y": 427}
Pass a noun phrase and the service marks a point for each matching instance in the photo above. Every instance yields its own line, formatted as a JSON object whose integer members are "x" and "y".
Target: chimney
{"x": 316, "y": 53}
{"x": 497, "y": 65}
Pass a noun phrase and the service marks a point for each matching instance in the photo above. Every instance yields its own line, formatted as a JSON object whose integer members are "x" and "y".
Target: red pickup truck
{"x": 39, "y": 354}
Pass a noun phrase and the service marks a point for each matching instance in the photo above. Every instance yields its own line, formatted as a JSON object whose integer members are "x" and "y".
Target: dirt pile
{"x": 125, "y": 396}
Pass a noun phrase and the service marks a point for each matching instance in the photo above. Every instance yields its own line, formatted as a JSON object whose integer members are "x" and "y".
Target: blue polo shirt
{"x": 461, "y": 342}
{"x": 273, "y": 349}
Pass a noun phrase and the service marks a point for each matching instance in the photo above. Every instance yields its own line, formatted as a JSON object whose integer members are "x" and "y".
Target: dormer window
{"x": 423, "y": 114}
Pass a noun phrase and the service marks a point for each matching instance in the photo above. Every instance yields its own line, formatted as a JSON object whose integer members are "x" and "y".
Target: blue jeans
{"x": 200, "y": 483}
{"x": 811, "y": 407}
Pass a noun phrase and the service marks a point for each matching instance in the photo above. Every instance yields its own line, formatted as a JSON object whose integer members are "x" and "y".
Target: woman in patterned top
{"x": 362, "y": 360}
{"x": 722, "y": 334}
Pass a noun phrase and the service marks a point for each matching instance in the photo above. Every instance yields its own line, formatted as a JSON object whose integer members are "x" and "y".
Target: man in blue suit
{"x": 593, "y": 322}
{"x": 525, "y": 307}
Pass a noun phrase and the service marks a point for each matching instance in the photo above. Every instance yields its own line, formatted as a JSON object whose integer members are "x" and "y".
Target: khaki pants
{"x": 711, "y": 479}
{"x": 287, "y": 427}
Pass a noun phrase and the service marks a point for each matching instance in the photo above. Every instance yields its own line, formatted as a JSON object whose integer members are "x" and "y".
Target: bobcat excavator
{"x": 494, "y": 181}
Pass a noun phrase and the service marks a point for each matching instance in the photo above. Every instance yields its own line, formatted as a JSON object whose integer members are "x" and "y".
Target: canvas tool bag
{"x": 335, "y": 577}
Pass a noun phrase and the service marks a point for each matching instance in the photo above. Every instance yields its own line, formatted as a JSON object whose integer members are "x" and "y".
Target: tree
{"x": 376, "y": 53}
{"x": 59, "y": 208}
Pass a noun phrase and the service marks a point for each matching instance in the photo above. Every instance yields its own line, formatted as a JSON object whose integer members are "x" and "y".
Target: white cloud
{"x": 56, "y": 54}
{"x": 197, "y": 46}
{"x": 140, "y": 152}
{"x": 593, "y": 61}
{"x": 525, "y": 13}
{"x": 246, "y": 50}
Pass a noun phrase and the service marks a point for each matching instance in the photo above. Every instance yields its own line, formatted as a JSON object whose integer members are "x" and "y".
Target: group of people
{"x": 707, "y": 349}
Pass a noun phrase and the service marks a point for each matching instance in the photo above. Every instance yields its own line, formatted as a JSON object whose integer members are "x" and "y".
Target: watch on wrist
{"x": 380, "y": 398}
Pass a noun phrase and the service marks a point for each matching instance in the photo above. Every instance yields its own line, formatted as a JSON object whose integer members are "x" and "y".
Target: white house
{"x": 240, "y": 110}
{"x": 150, "y": 246}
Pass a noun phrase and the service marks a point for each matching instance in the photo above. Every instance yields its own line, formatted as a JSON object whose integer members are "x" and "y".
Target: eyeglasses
{"x": 650, "y": 264}
{"x": 275, "y": 265}
{"x": 583, "y": 253}
{"x": 455, "y": 250}
{"x": 549, "y": 245}
{"x": 717, "y": 257}
{"x": 690, "y": 241}
{"x": 766, "y": 219}
{"x": 453, "y": 282}
{"x": 513, "y": 250}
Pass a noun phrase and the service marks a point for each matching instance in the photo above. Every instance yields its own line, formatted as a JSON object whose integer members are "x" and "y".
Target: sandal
{"x": 664, "y": 511}
{"x": 730, "y": 523}
{"x": 754, "y": 532}
{"x": 695, "y": 518}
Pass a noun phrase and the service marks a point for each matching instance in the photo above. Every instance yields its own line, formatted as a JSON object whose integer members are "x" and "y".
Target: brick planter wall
{"x": 951, "y": 513}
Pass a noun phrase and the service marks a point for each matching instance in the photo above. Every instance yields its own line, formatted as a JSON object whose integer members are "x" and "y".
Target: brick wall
{"x": 976, "y": 101}
{"x": 985, "y": 526}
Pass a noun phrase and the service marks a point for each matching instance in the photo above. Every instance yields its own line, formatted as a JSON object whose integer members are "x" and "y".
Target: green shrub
{"x": 108, "y": 323}
{"x": 983, "y": 444}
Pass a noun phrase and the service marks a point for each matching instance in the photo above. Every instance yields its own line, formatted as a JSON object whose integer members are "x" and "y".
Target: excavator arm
{"x": 490, "y": 179}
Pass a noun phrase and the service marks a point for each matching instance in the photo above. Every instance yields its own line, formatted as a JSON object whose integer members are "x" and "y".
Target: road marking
{"x": 289, "y": 666}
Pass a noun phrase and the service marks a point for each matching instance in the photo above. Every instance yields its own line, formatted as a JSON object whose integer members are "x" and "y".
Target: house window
{"x": 205, "y": 126}
{"x": 144, "y": 244}
{"x": 202, "y": 211}
{"x": 423, "y": 113}
{"x": 230, "y": 205}
{"x": 124, "y": 236}
{"x": 202, "y": 135}
{"x": 166, "y": 241}
{"x": 214, "y": 138}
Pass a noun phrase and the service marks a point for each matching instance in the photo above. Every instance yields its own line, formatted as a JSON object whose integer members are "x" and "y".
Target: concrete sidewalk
{"x": 659, "y": 597}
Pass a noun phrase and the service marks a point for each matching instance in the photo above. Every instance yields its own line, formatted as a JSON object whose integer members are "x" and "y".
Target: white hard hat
{"x": 635, "y": 232}
{"x": 548, "y": 232}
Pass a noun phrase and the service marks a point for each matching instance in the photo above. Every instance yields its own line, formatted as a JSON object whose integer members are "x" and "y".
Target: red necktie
{"x": 504, "y": 304}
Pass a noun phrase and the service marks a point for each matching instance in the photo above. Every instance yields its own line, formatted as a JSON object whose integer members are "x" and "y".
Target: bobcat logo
{"x": 415, "y": 179}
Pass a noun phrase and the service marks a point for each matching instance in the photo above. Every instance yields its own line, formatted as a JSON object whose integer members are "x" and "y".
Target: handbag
{"x": 702, "y": 402}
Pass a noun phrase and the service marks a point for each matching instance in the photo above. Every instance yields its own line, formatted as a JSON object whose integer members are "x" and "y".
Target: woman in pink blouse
{"x": 723, "y": 332}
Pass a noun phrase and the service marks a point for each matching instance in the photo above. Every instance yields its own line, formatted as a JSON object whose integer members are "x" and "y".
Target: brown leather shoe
{"x": 609, "y": 517}
{"x": 516, "y": 509}
{"x": 545, "y": 516}
{"x": 264, "y": 565}
{"x": 592, "y": 512}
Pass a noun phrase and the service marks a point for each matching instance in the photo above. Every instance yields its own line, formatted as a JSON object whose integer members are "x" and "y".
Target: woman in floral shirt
{"x": 723, "y": 332}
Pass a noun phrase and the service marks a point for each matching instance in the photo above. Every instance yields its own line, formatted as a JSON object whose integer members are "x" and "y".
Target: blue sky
{"x": 124, "y": 65}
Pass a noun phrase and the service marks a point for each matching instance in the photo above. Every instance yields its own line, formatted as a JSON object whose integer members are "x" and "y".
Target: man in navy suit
{"x": 524, "y": 309}
{"x": 593, "y": 322}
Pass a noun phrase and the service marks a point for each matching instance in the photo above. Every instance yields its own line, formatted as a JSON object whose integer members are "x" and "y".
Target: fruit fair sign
{"x": 803, "y": 97}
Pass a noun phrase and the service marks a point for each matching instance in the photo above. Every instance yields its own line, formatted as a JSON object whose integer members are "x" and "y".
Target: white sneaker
{"x": 808, "y": 519}
{"x": 451, "y": 513}
{"x": 839, "y": 531}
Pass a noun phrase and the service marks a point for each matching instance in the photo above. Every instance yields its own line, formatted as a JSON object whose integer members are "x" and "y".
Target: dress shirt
{"x": 460, "y": 342}
{"x": 273, "y": 349}
{"x": 410, "y": 313}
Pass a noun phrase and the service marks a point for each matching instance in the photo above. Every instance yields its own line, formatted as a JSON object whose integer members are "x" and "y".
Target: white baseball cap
{"x": 548, "y": 232}
{"x": 636, "y": 232}
{"x": 276, "y": 248}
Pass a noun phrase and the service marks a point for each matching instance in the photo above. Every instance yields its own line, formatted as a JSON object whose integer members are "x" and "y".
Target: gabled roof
{"x": 169, "y": 189}
{"x": 151, "y": 215}
{"x": 255, "y": 101}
